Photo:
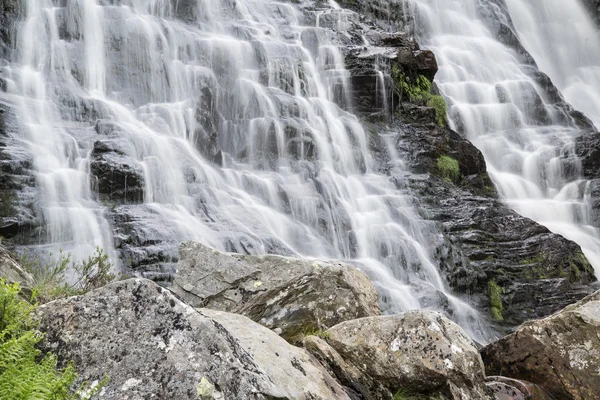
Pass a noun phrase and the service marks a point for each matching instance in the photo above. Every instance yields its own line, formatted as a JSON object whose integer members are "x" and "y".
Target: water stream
{"x": 164, "y": 86}
{"x": 493, "y": 99}
{"x": 565, "y": 42}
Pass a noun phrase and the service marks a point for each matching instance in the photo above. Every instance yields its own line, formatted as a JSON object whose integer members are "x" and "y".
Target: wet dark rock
{"x": 371, "y": 70}
{"x": 484, "y": 241}
{"x": 146, "y": 240}
{"x": 19, "y": 212}
{"x": 587, "y": 148}
{"x": 560, "y": 353}
{"x": 390, "y": 16}
{"x": 593, "y": 7}
{"x": 117, "y": 177}
{"x": 10, "y": 10}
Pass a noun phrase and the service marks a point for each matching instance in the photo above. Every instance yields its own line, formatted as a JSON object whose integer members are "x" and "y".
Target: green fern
{"x": 26, "y": 373}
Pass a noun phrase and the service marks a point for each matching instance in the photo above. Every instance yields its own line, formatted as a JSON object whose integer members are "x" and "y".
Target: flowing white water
{"x": 565, "y": 42}
{"x": 296, "y": 177}
{"x": 527, "y": 142}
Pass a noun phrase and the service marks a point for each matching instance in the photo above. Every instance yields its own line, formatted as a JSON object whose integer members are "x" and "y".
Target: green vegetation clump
{"x": 448, "y": 168}
{"x": 25, "y": 372}
{"x": 51, "y": 281}
{"x": 438, "y": 103}
{"x": 317, "y": 332}
{"x": 418, "y": 90}
{"x": 406, "y": 394}
{"x": 495, "y": 293}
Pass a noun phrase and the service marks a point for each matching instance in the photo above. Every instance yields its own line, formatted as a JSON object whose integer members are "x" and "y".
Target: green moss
{"x": 533, "y": 260}
{"x": 448, "y": 168}
{"x": 578, "y": 264}
{"x": 418, "y": 89}
{"x": 438, "y": 103}
{"x": 495, "y": 293}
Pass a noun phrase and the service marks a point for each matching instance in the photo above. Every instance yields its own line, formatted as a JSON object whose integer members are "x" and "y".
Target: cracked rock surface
{"x": 151, "y": 345}
{"x": 560, "y": 353}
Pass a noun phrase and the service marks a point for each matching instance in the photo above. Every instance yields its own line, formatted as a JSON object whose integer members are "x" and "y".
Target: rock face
{"x": 12, "y": 272}
{"x": 151, "y": 345}
{"x": 118, "y": 177}
{"x": 506, "y": 263}
{"x": 560, "y": 353}
{"x": 418, "y": 352}
{"x": 290, "y": 294}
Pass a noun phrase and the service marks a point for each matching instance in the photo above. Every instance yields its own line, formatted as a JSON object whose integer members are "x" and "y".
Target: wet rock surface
{"x": 560, "y": 353}
{"x": 292, "y": 296}
{"x": 117, "y": 177}
{"x": 152, "y": 345}
{"x": 12, "y": 272}
{"x": 485, "y": 244}
{"x": 417, "y": 353}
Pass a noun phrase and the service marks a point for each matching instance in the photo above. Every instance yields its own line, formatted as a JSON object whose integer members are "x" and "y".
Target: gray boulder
{"x": 417, "y": 353}
{"x": 151, "y": 345}
{"x": 560, "y": 353}
{"x": 289, "y": 294}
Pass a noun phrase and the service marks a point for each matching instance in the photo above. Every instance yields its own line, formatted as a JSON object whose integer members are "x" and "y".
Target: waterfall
{"x": 495, "y": 99}
{"x": 565, "y": 42}
{"x": 236, "y": 117}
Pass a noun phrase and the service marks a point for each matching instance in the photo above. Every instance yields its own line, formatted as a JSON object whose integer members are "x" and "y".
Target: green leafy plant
{"x": 418, "y": 89}
{"x": 317, "y": 332}
{"x": 438, "y": 103}
{"x": 51, "y": 278}
{"x": 25, "y": 372}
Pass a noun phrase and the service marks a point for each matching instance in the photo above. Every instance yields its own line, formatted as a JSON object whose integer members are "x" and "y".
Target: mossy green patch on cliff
{"x": 438, "y": 103}
{"x": 418, "y": 89}
{"x": 533, "y": 260}
{"x": 495, "y": 293}
{"x": 448, "y": 168}
{"x": 578, "y": 265}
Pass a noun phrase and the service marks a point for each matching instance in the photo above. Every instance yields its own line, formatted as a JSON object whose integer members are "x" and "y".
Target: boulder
{"x": 417, "y": 352}
{"x": 347, "y": 374}
{"x": 504, "y": 388}
{"x": 152, "y": 345}
{"x": 288, "y": 294}
{"x": 560, "y": 353}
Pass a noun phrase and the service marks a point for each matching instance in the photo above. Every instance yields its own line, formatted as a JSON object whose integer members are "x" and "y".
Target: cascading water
{"x": 565, "y": 43}
{"x": 493, "y": 99}
{"x": 295, "y": 175}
